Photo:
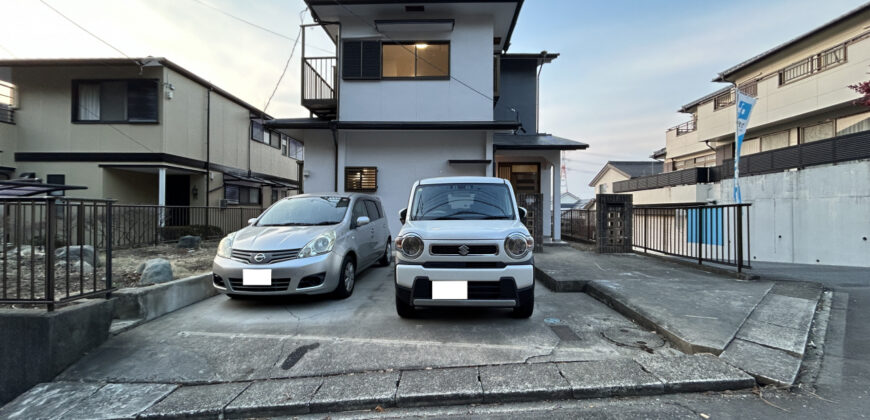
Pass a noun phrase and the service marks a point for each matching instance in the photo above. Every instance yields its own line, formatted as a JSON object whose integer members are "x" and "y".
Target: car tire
{"x": 526, "y": 307}
{"x": 405, "y": 310}
{"x": 387, "y": 258}
{"x": 344, "y": 288}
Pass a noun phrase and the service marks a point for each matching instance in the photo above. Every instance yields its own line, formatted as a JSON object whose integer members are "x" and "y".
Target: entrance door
{"x": 524, "y": 177}
{"x": 178, "y": 194}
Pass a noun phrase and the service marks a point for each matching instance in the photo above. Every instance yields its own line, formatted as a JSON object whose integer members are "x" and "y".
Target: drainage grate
{"x": 564, "y": 333}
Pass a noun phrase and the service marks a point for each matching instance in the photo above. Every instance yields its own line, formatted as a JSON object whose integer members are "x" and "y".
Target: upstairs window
{"x": 416, "y": 60}
{"x": 115, "y": 101}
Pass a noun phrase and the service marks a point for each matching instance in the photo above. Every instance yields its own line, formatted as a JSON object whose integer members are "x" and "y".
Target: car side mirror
{"x": 252, "y": 221}
{"x": 362, "y": 221}
{"x": 523, "y": 213}
{"x": 403, "y": 214}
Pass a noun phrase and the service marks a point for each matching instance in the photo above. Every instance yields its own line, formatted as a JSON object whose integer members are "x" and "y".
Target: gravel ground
{"x": 185, "y": 263}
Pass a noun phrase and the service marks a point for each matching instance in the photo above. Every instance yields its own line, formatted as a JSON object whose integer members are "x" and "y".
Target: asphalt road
{"x": 221, "y": 339}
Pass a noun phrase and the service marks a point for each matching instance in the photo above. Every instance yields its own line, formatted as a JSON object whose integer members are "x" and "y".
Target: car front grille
{"x": 271, "y": 256}
{"x": 454, "y": 249}
{"x": 278, "y": 285}
{"x": 505, "y": 288}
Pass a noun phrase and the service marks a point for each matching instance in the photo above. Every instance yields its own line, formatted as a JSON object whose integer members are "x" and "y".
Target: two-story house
{"x": 141, "y": 131}
{"x": 423, "y": 89}
{"x": 804, "y": 160}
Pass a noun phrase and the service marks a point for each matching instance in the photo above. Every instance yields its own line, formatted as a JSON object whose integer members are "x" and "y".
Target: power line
{"x": 361, "y": 19}
{"x": 287, "y": 64}
{"x": 262, "y": 28}
{"x": 83, "y": 29}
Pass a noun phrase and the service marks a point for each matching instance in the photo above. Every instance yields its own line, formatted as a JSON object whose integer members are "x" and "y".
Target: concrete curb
{"x": 520, "y": 382}
{"x": 559, "y": 286}
{"x": 637, "y": 315}
{"x": 136, "y": 305}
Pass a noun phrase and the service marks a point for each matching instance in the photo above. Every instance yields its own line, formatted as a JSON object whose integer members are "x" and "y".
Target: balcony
{"x": 686, "y": 127}
{"x": 319, "y": 82}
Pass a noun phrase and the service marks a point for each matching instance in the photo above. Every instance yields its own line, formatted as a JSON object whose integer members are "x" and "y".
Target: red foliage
{"x": 864, "y": 89}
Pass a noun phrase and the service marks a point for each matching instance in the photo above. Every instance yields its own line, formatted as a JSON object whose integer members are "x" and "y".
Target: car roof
{"x": 462, "y": 180}
{"x": 335, "y": 194}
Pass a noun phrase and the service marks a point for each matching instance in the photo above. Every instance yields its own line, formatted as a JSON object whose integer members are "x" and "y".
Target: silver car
{"x": 306, "y": 244}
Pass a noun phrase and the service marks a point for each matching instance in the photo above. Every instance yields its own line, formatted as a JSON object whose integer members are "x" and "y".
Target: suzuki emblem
{"x": 463, "y": 250}
{"x": 259, "y": 257}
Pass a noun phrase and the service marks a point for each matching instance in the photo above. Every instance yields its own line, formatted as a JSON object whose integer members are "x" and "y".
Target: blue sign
{"x": 744, "y": 109}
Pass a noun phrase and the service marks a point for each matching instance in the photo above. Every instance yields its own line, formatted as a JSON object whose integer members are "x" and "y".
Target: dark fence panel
{"x": 143, "y": 225}
{"x": 667, "y": 179}
{"x": 534, "y": 205}
{"x": 718, "y": 234}
{"x": 54, "y": 250}
{"x": 579, "y": 225}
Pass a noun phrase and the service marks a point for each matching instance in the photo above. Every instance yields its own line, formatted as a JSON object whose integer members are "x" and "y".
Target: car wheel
{"x": 388, "y": 254}
{"x": 404, "y": 310}
{"x": 526, "y": 307}
{"x": 347, "y": 279}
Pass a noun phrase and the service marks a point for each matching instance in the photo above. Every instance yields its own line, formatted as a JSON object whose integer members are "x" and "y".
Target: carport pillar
{"x": 161, "y": 196}
{"x": 557, "y": 202}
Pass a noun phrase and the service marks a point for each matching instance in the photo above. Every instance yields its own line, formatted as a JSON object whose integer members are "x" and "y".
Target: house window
{"x": 817, "y": 132}
{"x": 115, "y": 101}
{"x": 416, "y": 60}
{"x": 239, "y": 194}
{"x": 846, "y": 128}
{"x": 285, "y": 151}
{"x": 774, "y": 141}
{"x": 361, "y": 179}
{"x": 56, "y": 179}
{"x": 274, "y": 195}
{"x": 602, "y": 189}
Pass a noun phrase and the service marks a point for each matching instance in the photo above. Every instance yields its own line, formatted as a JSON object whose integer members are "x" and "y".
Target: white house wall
{"x": 405, "y": 157}
{"x": 471, "y": 61}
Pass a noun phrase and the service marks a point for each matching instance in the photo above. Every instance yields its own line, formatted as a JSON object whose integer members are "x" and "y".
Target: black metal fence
{"x": 579, "y": 225}
{"x": 718, "y": 234}
{"x": 534, "y": 205}
{"x": 143, "y": 225}
{"x": 54, "y": 250}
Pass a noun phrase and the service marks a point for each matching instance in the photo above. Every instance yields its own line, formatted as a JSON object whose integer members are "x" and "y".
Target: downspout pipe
{"x": 334, "y": 129}
{"x": 207, "y": 148}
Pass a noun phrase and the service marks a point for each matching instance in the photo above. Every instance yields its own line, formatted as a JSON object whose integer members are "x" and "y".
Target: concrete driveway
{"x": 225, "y": 340}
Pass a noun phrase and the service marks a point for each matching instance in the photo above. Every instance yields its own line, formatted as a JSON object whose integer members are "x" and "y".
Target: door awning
{"x": 535, "y": 142}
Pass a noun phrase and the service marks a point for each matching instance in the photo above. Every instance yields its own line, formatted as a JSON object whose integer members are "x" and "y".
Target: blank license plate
{"x": 256, "y": 277}
{"x": 449, "y": 290}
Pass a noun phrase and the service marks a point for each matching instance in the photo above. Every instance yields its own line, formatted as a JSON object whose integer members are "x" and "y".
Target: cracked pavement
{"x": 224, "y": 340}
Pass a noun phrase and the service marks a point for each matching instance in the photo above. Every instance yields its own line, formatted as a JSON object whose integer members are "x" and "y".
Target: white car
{"x": 463, "y": 244}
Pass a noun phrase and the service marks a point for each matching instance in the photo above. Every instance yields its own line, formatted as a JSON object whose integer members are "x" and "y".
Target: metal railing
{"x": 55, "y": 250}
{"x": 318, "y": 78}
{"x": 717, "y": 234}
{"x": 724, "y": 100}
{"x": 143, "y": 225}
{"x": 534, "y": 205}
{"x": 667, "y": 179}
{"x": 579, "y": 225}
{"x": 813, "y": 64}
{"x": 686, "y": 127}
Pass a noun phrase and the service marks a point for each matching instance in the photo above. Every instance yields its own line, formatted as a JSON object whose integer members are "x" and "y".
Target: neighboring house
{"x": 614, "y": 171}
{"x": 423, "y": 89}
{"x": 569, "y": 201}
{"x": 141, "y": 131}
{"x": 804, "y": 161}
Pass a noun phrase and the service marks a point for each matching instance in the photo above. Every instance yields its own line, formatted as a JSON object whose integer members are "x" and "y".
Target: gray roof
{"x": 635, "y": 169}
{"x": 535, "y": 142}
{"x": 723, "y": 76}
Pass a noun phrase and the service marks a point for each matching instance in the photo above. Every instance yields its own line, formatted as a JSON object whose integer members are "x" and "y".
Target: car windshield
{"x": 306, "y": 211}
{"x": 462, "y": 202}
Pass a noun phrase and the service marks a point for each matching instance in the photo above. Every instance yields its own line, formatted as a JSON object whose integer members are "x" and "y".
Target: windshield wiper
{"x": 286, "y": 224}
{"x": 323, "y": 223}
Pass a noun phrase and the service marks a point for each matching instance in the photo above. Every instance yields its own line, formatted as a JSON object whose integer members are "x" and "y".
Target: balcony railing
{"x": 724, "y": 100}
{"x": 813, "y": 64}
{"x": 844, "y": 148}
{"x": 686, "y": 127}
{"x": 319, "y": 80}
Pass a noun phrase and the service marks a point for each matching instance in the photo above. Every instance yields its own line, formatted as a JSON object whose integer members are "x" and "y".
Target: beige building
{"x": 141, "y": 131}
{"x": 805, "y": 160}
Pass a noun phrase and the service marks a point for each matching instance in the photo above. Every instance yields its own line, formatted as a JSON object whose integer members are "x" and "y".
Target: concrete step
{"x": 120, "y": 325}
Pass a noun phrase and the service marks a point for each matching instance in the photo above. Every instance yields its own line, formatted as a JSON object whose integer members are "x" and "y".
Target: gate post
{"x": 614, "y": 223}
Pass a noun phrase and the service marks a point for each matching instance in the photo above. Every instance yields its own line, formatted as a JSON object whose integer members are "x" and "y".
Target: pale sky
{"x": 624, "y": 70}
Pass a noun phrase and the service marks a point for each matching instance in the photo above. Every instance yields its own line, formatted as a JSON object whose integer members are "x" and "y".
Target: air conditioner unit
{"x": 223, "y": 203}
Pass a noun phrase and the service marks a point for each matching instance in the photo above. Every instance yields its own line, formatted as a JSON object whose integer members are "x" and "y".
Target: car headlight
{"x": 410, "y": 245}
{"x": 518, "y": 245}
{"x": 225, "y": 247}
{"x": 320, "y": 245}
